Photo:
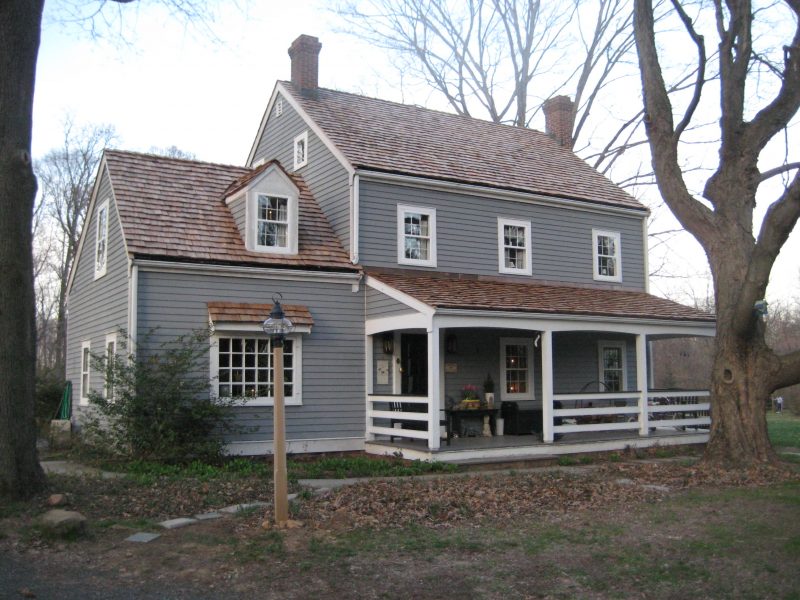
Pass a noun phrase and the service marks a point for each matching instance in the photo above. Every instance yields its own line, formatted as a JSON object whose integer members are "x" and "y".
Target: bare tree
{"x": 172, "y": 152}
{"x": 20, "y": 32}
{"x": 746, "y": 370}
{"x": 65, "y": 179}
{"x": 489, "y": 58}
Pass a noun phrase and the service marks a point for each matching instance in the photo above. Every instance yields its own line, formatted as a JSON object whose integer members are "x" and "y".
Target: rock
{"x": 57, "y": 500}
{"x": 63, "y": 522}
{"x": 177, "y": 523}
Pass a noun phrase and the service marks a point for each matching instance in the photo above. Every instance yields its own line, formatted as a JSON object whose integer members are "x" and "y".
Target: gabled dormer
{"x": 265, "y": 206}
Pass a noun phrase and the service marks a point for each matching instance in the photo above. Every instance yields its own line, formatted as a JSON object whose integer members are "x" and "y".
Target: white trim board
{"x": 265, "y": 447}
{"x": 401, "y": 297}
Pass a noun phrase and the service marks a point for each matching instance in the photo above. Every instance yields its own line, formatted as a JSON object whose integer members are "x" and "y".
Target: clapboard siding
{"x": 333, "y": 376}
{"x": 327, "y": 179}
{"x": 576, "y": 366}
{"x": 96, "y": 307}
{"x": 238, "y": 210}
{"x": 381, "y": 305}
{"x": 467, "y": 234}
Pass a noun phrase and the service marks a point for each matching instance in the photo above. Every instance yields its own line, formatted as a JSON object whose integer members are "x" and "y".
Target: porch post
{"x": 433, "y": 387}
{"x": 642, "y": 383}
{"x": 547, "y": 386}
{"x": 369, "y": 366}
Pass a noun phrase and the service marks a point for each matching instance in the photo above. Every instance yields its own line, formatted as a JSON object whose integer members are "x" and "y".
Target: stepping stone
{"x": 291, "y": 497}
{"x": 208, "y": 516}
{"x": 656, "y": 488}
{"x": 143, "y": 537}
{"x": 235, "y": 508}
{"x": 176, "y": 523}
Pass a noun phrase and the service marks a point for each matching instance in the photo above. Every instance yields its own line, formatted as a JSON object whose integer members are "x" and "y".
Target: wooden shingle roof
{"x": 173, "y": 209}
{"x": 240, "y": 312}
{"x": 399, "y": 138}
{"x": 440, "y": 290}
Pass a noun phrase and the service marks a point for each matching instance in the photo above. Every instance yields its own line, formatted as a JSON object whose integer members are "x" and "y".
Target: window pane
{"x": 246, "y": 368}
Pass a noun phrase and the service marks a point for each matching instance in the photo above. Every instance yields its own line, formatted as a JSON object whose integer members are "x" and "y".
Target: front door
{"x": 414, "y": 364}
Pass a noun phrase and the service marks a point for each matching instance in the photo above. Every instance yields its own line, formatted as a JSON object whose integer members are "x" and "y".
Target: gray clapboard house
{"x": 419, "y": 253}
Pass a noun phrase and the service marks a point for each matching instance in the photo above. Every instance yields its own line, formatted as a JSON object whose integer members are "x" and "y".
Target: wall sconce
{"x": 388, "y": 343}
{"x": 450, "y": 344}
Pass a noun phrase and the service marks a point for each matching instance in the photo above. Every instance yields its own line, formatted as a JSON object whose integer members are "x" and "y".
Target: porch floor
{"x": 522, "y": 447}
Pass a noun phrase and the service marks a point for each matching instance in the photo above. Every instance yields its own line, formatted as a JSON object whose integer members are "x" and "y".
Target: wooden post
{"x": 279, "y": 439}
{"x": 433, "y": 387}
{"x": 642, "y": 384}
{"x": 547, "y": 386}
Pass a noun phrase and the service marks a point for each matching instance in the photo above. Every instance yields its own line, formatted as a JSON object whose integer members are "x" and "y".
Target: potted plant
{"x": 470, "y": 396}
{"x": 488, "y": 390}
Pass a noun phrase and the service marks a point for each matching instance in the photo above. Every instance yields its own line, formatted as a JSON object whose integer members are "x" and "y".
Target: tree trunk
{"x": 20, "y": 26}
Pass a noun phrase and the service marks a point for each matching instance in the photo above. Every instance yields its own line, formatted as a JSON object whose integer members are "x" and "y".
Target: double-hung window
{"x": 611, "y": 358}
{"x": 86, "y": 365}
{"x": 272, "y": 218}
{"x": 607, "y": 256}
{"x": 244, "y": 367}
{"x": 514, "y": 246}
{"x": 101, "y": 241}
{"x": 516, "y": 368}
{"x": 416, "y": 236}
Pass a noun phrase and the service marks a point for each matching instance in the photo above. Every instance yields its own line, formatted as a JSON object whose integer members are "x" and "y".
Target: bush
{"x": 157, "y": 406}
{"x": 49, "y": 390}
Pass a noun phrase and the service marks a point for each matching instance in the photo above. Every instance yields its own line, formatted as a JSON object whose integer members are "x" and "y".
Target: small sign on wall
{"x": 451, "y": 367}
{"x": 382, "y": 367}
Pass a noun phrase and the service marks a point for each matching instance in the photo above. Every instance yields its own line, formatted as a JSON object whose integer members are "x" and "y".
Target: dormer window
{"x": 101, "y": 241}
{"x": 273, "y": 221}
{"x": 301, "y": 150}
{"x": 267, "y": 212}
{"x": 606, "y": 255}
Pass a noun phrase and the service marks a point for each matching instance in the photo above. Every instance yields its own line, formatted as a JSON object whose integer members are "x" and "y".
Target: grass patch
{"x": 784, "y": 430}
{"x": 260, "y": 548}
{"x": 363, "y": 466}
{"x": 147, "y": 472}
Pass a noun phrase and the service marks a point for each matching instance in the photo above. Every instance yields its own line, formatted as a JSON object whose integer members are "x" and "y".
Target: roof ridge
{"x": 420, "y": 107}
{"x": 173, "y": 159}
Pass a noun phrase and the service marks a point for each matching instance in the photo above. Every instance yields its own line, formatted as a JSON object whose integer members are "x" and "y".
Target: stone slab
{"x": 143, "y": 537}
{"x": 235, "y": 508}
{"x": 176, "y": 523}
{"x": 208, "y": 516}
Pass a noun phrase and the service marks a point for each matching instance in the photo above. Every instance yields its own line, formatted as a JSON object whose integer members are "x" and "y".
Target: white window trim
{"x": 101, "y": 271}
{"x": 612, "y": 234}
{"x": 527, "y": 269}
{"x": 110, "y": 338}
{"x": 84, "y": 393}
{"x": 291, "y": 233}
{"x": 296, "y": 399}
{"x": 623, "y": 346}
{"x": 402, "y": 209}
{"x": 304, "y": 138}
{"x": 528, "y": 342}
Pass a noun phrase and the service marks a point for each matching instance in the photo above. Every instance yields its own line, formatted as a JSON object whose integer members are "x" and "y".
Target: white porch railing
{"x": 672, "y": 408}
{"x": 385, "y": 413}
{"x": 611, "y": 411}
{"x": 602, "y": 411}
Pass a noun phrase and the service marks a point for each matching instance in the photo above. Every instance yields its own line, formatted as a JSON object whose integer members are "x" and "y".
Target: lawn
{"x": 784, "y": 430}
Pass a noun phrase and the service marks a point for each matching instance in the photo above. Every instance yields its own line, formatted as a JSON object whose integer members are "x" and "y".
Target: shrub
{"x": 157, "y": 406}
{"x": 49, "y": 390}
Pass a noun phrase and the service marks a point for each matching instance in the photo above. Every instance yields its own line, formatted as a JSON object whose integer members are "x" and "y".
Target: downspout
{"x": 133, "y": 305}
{"x": 354, "y": 218}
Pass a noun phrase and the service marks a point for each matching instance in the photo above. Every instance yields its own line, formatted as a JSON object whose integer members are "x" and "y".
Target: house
{"x": 419, "y": 253}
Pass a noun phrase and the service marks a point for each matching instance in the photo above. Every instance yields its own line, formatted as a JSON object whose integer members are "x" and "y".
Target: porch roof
{"x": 471, "y": 292}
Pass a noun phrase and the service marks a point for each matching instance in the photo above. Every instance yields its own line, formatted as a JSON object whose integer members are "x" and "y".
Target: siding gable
{"x": 324, "y": 174}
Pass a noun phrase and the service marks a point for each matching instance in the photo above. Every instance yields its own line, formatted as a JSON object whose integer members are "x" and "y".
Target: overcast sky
{"x": 167, "y": 84}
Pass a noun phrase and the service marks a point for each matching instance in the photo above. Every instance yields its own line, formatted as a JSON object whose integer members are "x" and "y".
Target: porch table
{"x": 453, "y": 418}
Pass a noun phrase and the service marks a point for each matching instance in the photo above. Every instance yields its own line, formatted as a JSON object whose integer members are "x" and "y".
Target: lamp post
{"x": 277, "y": 326}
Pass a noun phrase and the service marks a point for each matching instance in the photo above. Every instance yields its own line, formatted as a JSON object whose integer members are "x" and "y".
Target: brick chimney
{"x": 304, "y": 53}
{"x": 559, "y": 119}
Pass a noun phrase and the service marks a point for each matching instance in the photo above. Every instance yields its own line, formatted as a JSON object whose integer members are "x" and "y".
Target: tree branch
{"x": 701, "y": 69}
{"x": 788, "y": 372}
{"x": 695, "y": 217}
{"x": 778, "y": 171}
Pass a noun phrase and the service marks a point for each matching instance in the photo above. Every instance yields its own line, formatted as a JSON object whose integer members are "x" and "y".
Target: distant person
{"x": 779, "y": 404}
